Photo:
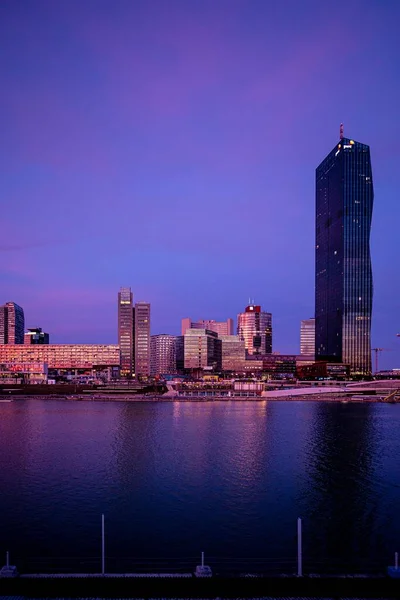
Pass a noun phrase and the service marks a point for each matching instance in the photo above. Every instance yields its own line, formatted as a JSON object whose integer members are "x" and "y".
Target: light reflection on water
{"x": 229, "y": 478}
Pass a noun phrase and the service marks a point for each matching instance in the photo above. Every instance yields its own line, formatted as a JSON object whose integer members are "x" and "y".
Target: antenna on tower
{"x": 341, "y": 131}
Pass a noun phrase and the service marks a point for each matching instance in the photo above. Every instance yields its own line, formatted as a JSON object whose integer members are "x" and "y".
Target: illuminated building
{"x": 17, "y": 373}
{"x": 343, "y": 274}
{"x": 307, "y": 337}
{"x": 12, "y": 324}
{"x": 202, "y": 350}
{"x": 233, "y": 353}
{"x": 162, "y": 354}
{"x": 219, "y": 327}
{"x": 126, "y": 330}
{"x": 63, "y": 356}
{"x": 36, "y": 336}
{"x": 142, "y": 339}
{"x": 255, "y": 329}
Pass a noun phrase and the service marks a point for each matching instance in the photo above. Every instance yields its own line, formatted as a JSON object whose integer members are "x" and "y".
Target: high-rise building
{"x": 12, "y": 324}
{"x": 220, "y": 327}
{"x": 255, "y": 329}
{"x": 343, "y": 274}
{"x": 36, "y": 336}
{"x": 126, "y": 330}
{"x": 162, "y": 354}
{"x": 202, "y": 350}
{"x": 307, "y": 337}
{"x": 142, "y": 339}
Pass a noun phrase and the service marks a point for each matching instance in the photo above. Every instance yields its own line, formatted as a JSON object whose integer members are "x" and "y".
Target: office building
{"x": 219, "y": 327}
{"x": 343, "y": 274}
{"x": 307, "y": 337}
{"x": 142, "y": 339}
{"x": 36, "y": 336}
{"x": 202, "y": 350}
{"x": 162, "y": 354}
{"x": 255, "y": 329}
{"x": 12, "y": 324}
{"x": 126, "y": 330}
{"x": 233, "y": 353}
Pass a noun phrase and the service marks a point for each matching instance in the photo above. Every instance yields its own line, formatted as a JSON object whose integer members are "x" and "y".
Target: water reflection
{"x": 229, "y": 478}
{"x": 340, "y": 501}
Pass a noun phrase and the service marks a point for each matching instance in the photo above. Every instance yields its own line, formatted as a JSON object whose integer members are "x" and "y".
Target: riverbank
{"x": 326, "y": 397}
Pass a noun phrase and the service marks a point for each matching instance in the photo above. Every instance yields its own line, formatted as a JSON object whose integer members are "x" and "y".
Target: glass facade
{"x": 36, "y": 336}
{"x": 126, "y": 330}
{"x": 233, "y": 353}
{"x": 343, "y": 279}
{"x": 202, "y": 349}
{"x": 307, "y": 337}
{"x": 12, "y": 324}
{"x": 142, "y": 339}
{"x": 255, "y": 329}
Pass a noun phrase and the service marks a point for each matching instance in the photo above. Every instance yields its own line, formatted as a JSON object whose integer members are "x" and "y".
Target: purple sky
{"x": 171, "y": 146}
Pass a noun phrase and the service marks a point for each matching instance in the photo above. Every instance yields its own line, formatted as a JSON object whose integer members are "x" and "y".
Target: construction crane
{"x": 377, "y": 351}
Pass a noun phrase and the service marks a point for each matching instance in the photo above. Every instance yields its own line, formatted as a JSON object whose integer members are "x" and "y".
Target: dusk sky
{"x": 171, "y": 146}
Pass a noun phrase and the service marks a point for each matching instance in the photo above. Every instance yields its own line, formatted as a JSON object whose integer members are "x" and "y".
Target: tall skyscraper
{"x": 255, "y": 329}
{"x": 126, "y": 330}
{"x": 142, "y": 339}
{"x": 307, "y": 337}
{"x": 220, "y": 327}
{"x": 12, "y": 324}
{"x": 162, "y": 354}
{"x": 343, "y": 274}
{"x": 36, "y": 336}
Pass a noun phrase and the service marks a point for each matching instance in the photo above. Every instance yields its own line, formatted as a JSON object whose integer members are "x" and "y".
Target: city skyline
{"x": 238, "y": 140}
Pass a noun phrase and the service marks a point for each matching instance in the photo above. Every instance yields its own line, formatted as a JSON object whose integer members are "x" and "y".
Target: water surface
{"x": 172, "y": 479}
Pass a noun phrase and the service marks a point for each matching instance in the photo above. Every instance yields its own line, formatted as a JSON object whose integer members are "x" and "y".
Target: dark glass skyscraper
{"x": 343, "y": 278}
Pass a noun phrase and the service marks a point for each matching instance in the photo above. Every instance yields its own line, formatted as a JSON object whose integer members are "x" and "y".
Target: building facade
{"x": 219, "y": 327}
{"x": 233, "y": 353}
{"x": 18, "y": 373}
{"x": 162, "y": 354}
{"x": 12, "y": 324}
{"x": 36, "y": 336}
{"x": 142, "y": 339}
{"x": 202, "y": 350}
{"x": 255, "y": 329}
{"x": 343, "y": 274}
{"x": 307, "y": 337}
{"x": 63, "y": 356}
{"x": 126, "y": 330}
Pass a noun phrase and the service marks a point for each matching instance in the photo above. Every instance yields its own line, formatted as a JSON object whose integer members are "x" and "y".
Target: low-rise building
{"x": 23, "y": 372}
{"x": 36, "y": 336}
{"x": 65, "y": 357}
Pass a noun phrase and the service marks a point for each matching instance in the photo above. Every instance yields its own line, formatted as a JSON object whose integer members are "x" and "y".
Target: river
{"x": 175, "y": 479}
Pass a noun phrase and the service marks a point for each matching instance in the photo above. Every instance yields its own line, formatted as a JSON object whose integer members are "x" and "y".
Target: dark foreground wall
{"x": 201, "y": 588}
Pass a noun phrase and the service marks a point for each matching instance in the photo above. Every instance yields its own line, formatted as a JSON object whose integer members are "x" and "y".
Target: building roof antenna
{"x": 341, "y": 131}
